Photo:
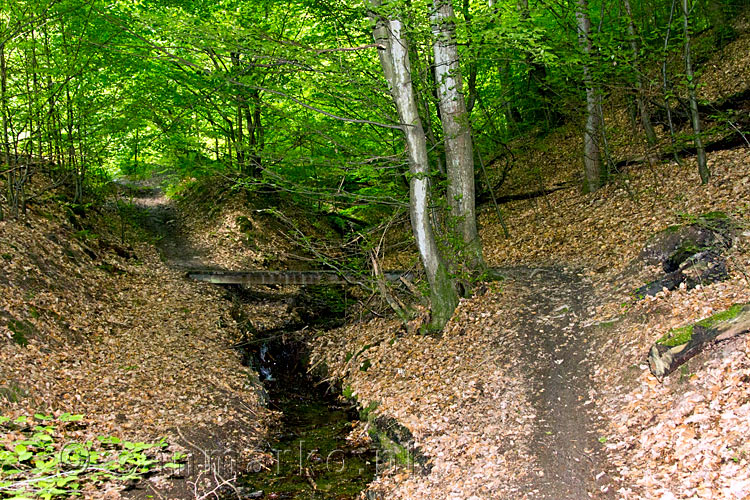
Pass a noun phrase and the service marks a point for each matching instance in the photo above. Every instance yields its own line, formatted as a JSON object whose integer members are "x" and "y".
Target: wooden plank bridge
{"x": 222, "y": 277}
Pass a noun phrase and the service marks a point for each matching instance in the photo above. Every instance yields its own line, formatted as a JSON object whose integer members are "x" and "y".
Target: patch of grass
{"x": 365, "y": 413}
{"x": 348, "y": 392}
{"x": 717, "y": 215}
{"x": 7, "y": 256}
{"x": 110, "y": 269}
{"x": 85, "y": 235}
{"x": 609, "y": 324}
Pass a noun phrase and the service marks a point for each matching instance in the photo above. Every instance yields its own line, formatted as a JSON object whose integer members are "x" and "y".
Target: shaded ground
{"x": 158, "y": 216}
{"x": 548, "y": 343}
{"x": 556, "y": 365}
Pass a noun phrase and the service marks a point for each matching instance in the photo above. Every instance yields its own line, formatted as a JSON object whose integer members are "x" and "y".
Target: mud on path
{"x": 555, "y": 359}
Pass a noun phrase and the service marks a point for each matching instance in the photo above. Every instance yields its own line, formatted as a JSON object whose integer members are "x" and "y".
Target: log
{"x": 683, "y": 343}
{"x": 220, "y": 277}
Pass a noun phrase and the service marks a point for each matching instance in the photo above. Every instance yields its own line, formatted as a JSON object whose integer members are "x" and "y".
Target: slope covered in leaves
{"x": 681, "y": 439}
{"x": 94, "y": 328}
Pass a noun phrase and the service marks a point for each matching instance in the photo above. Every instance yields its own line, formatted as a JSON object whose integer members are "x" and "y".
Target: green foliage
{"x": 21, "y": 330}
{"x": 37, "y": 460}
{"x": 683, "y": 334}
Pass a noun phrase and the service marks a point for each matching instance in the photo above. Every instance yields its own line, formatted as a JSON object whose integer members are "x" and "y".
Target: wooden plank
{"x": 221, "y": 277}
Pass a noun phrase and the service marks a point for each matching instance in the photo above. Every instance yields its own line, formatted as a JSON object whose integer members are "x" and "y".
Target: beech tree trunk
{"x": 648, "y": 127}
{"x": 394, "y": 59}
{"x": 592, "y": 161}
{"x": 695, "y": 118}
{"x": 3, "y": 107}
{"x": 459, "y": 152}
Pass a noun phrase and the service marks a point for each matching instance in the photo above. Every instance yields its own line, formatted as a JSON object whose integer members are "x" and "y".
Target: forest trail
{"x": 160, "y": 218}
{"x": 551, "y": 320}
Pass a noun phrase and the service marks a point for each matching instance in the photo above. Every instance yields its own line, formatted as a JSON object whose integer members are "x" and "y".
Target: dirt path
{"x": 159, "y": 216}
{"x": 552, "y": 313}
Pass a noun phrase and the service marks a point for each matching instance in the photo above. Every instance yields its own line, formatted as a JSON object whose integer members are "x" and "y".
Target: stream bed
{"x": 312, "y": 458}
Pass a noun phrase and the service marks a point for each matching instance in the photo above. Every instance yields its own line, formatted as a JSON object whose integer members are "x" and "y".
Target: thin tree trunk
{"x": 394, "y": 59}
{"x": 648, "y": 127}
{"x": 471, "y": 82}
{"x": 665, "y": 83}
{"x": 239, "y": 146}
{"x": 459, "y": 152}
{"x": 592, "y": 163}
{"x": 4, "y": 110}
{"x": 695, "y": 118}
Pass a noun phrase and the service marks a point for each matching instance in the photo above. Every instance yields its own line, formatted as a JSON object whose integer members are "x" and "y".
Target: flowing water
{"x": 312, "y": 458}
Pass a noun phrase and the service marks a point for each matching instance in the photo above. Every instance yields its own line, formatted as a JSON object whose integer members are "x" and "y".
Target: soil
{"x": 556, "y": 364}
{"x": 159, "y": 217}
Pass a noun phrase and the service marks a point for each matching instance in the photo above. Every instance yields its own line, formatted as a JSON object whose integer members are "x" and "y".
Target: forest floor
{"x": 537, "y": 388}
{"x": 93, "y": 326}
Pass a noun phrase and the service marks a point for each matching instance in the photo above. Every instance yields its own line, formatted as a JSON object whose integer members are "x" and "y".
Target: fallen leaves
{"x": 140, "y": 354}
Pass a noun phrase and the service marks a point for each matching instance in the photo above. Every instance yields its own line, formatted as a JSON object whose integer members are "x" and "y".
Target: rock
{"x": 689, "y": 254}
{"x": 703, "y": 268}
{"x": 665, "y": 243}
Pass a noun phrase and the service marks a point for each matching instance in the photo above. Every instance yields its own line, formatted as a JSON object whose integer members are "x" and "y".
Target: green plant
{"x": 36, "y": 459}
{"x": 21, "y": 330}
{"x": 85, "y": 235}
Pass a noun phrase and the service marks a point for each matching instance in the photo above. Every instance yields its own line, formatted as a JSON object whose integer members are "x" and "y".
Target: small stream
{"x": 312, "y": 458}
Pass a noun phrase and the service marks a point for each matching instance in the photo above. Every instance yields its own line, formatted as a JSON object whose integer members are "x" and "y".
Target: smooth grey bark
{"x": 694, "y": 117}
{"x": 394, "y": 59}
{"x": 648, "y": 127}
{"x": 459, "y": 150}
{"x": 6, "y": 140}
{"x": 592, "y": 162}
{"x": 665, "y": 83}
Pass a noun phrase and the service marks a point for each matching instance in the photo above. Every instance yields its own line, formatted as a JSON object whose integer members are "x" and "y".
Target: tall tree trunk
{"x": 592, "y": 162}
{"x": 695, "y": 118}
{"x": 394, "y": 59}
{"x": 665, "y": 83}
{"x": 241, "y": 103}
{"x": 648, "y": 128}
{"x": 459, "y": 152}
{"x": 4, "y": 111}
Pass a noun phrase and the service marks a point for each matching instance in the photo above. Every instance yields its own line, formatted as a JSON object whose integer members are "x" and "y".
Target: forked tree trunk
{"x": 459, "y": 152}
{"x": 592, "y": 162}
{"x": 394, "y": 59}
{"x": 695, "y": 118}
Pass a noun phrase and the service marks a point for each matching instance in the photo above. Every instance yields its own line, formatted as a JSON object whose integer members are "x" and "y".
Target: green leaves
{"x": 39, "y": 461}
